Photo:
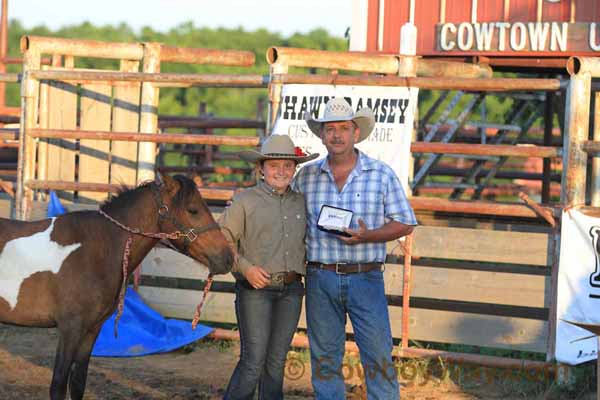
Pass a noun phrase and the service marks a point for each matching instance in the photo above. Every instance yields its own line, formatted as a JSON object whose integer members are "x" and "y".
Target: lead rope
{"x": 207, "y": 286}
{"x": 127, "y": 252}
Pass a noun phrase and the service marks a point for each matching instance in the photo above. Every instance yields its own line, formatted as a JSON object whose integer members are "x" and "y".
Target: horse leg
{"x": 69, "y": 339}
{"x": 78, "y": 376}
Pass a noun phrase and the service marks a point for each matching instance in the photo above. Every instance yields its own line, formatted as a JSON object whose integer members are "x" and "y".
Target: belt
{"x": 278, "y": 280}
{"x": 346, "y": 268}
{"x": 285, "y": 278}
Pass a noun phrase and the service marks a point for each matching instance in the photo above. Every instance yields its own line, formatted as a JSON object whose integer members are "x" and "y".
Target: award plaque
{"x": 334, "y": 220}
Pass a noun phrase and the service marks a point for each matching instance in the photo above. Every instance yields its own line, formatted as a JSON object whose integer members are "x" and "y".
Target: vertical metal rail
{"x": 478, "y": 165}
{"x": 460, "y": 121}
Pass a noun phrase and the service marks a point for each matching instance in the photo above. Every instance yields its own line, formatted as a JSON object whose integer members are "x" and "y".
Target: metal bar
{"x": 160, "y": 79}
{"x": 208, "y": 169}
{"x": 207, "y": 193}
{"x": 501, "y": 134}
{"x": 548, "y": 125}
{"x": 460, "y": 120}
{"x": 474, "y": 207}
{"x": 82, "y": 48}
{"x": 500, "y": 162}
{"x": 503, "y": 159}
{"x": 437, "y": 83}
{"x": 144, "y": 137}
{"x": 301, "y": 341}
{"x": 577, "y": 116}
{"x": 148, "y": 113}
{"x": 531, "y": 176}
{"x": 208, "y": 122}
{"x": 207, "y": 56}
{"x": 406, "y": 282}
{"x": 9, "y": 78}
{"x": 356, "y": 61}
{"x": 486, "y": 149}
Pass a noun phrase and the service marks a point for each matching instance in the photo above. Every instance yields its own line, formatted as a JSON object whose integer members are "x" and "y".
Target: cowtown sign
{"x": 507, "y": 37}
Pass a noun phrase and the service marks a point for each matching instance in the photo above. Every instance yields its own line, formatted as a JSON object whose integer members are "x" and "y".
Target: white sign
{"x": 394, "y": 109}
{"x": 578, "y": 288}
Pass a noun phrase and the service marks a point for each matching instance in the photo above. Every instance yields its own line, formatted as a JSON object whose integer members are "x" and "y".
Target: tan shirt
{"x": 267, "y": 229}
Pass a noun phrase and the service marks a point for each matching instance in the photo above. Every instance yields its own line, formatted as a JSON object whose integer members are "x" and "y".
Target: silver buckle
{"x": 337, "y": 268}
{"x": 191, "y": 235}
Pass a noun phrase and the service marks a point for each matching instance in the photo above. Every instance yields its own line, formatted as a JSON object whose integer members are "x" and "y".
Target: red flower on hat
{"x": 298, "y": 152}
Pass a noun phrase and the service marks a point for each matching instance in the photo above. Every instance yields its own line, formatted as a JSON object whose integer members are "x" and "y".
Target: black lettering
{"x": 392, "y": 114}
{"x": 289, "y": 105}
{"x": 303, "y": 108}
{"x": 402, "y": 106}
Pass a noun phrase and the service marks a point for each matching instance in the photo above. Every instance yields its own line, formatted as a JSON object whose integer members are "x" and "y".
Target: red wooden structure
{"x": 505, "y": 31}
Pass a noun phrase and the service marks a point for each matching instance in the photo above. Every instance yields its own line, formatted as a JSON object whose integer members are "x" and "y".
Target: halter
{"x": 188, "y": 234}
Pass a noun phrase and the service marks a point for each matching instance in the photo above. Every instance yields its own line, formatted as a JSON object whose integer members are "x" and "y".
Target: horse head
{"x": 182, "y": 209}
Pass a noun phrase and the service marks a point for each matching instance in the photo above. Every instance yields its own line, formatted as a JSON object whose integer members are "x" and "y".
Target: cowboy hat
{"x": 338, "y": 109}
{"x": 277, "y": 147}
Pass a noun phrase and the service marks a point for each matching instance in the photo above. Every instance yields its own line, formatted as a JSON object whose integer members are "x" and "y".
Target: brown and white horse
{"x": 66, "y": 272}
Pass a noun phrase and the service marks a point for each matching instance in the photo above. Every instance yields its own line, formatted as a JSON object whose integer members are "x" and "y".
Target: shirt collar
{"x": 265, "y": 187}
{"x": 363, "y": 163}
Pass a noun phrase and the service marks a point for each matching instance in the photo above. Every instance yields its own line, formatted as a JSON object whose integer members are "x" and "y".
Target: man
{"x": 345, "y": 272}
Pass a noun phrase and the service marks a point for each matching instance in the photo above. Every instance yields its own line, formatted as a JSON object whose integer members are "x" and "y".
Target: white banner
{"x": 578, "y": 288}
{"x": 394, "y": 109}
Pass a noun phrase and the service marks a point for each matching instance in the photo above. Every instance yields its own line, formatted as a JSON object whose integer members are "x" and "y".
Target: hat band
{"x": 279, "y": 155}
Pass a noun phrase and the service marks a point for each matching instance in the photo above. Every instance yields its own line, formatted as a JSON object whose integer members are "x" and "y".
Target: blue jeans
{"x": 267, "y": 320}
{"x": 329, "y": 298}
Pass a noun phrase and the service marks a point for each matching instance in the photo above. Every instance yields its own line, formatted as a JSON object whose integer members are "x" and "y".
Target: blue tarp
{"x": 141, "y": 330}
{"x": 144, "y": 331}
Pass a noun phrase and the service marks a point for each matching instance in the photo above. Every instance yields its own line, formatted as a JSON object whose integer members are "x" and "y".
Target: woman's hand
{"x": 258, "y": 277}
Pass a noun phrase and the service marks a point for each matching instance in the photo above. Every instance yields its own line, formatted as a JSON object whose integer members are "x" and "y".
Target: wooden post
{"x": 280, "y": 67}
{"x": 26, "y": 163}
{"x": 3, "y": 49}
{"x": 548, "y": 125}
{"x": 126, "y": 111}
{"x": 148, "y": 113}
{"x": 406, "y": 279}
{"x": 595, "y": 187}
{"x": 577, "y": 115}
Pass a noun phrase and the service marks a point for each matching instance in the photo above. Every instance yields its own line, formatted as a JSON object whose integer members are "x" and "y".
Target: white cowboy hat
{"x": 277, "y": 147}
{"x": 338, "y": 109}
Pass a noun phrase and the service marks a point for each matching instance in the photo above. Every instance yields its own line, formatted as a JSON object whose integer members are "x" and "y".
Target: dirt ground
{"x": 201, "y": 371}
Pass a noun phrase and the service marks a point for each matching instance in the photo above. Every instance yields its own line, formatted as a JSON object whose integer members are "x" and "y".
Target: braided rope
{"x": 127, "y": 251}
{"x": 207, "y": 286}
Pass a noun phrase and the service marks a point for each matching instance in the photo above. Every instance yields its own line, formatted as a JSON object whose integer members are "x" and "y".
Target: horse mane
{"x": 126, "y": 195}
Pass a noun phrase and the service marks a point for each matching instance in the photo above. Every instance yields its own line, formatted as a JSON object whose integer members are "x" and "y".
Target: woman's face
{"x": 279, "y": 173}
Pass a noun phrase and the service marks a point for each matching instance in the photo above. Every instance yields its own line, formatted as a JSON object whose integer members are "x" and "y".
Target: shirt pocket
{"x": 368, "y": 205}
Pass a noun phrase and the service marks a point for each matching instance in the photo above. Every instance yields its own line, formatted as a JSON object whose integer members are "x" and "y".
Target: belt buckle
{"x": 278, "y": 280}
{"x": 337, "y": 268}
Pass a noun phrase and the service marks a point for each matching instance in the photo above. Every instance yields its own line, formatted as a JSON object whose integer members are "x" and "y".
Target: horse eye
{"x": 192, "y": 211}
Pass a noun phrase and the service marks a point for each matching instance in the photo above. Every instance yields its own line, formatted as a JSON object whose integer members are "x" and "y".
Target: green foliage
{"x": 235, "y": 103}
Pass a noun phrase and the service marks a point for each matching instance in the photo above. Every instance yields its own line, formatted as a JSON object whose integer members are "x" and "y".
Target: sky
{"x": 283, "y": 16}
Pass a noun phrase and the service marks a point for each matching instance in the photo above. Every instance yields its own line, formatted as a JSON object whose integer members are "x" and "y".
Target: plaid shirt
{"x": 372, "y": 191}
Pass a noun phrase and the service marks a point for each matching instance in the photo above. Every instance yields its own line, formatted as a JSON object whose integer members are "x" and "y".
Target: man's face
{"x": 339, "y": 137}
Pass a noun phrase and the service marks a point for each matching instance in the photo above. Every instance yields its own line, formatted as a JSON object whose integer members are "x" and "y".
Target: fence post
{"x": 279, "y": 67}
{"x": 577, "y": 116}
{"x": 148, "y": 113}
{"x": 26, "y": 162}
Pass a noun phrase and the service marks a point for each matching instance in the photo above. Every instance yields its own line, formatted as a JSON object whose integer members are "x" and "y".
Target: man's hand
{"x": 356, "y": 236}
{"x": 258, "y": 277}
{"x": 389, "y": 231}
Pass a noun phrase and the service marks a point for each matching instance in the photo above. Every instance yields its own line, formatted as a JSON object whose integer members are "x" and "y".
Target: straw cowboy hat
{"x": 277, "y": 147}
{"x": 338, "y": 109}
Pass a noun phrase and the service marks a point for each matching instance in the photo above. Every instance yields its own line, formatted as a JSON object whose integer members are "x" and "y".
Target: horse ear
{"x": 158, "y": 179}
{"x": 170, "y": 184}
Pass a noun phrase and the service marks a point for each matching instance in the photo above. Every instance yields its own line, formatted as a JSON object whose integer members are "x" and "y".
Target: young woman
{"x": 266, "y": 224}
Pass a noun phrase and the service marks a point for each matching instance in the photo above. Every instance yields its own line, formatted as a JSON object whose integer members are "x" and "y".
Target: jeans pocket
{"x": 374, "y": 275}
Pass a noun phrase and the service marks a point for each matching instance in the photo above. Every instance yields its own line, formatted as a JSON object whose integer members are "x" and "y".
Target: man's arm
{"x": 389, "y": 231}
